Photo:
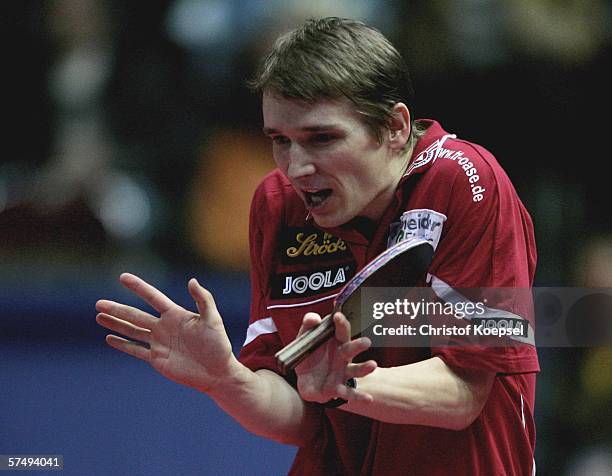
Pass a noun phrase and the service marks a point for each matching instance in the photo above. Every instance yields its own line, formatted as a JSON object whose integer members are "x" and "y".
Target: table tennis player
{"x": 357, "y": 173}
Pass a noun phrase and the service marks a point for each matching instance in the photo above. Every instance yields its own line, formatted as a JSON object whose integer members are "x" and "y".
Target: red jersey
{"x": 457, "y": 196}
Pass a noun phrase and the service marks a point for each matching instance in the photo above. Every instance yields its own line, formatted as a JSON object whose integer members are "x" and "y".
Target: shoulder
{"x": 448, "y": 165}
{"x": 459, "y": 179}
{"x": 458, "y": 190}
{"x": 467, "y": 170}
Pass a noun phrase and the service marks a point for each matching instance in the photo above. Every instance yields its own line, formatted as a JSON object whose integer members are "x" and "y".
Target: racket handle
{"x": 293, "y": 353}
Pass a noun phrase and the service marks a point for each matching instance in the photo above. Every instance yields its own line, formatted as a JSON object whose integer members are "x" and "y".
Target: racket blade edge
{"x": 401, "y": 266}
{"x": 293, "y": 353}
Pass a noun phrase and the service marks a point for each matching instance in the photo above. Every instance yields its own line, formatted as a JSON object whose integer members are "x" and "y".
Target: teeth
{"x": 316, "y": 199}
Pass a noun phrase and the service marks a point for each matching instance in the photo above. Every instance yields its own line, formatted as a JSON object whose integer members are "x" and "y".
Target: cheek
{"x": 281, "y": 162}
{"x": 361, "y": 176}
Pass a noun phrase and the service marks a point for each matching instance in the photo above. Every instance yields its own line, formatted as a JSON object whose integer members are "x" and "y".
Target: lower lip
{"x": 321, "y": 208}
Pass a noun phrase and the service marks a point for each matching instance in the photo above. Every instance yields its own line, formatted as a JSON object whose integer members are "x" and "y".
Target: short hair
{"x": 337, "y": 57}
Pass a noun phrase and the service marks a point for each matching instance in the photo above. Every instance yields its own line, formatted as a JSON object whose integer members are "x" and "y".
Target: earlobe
{"x": 399, "y": 137}
{"x": 399, "y": 126}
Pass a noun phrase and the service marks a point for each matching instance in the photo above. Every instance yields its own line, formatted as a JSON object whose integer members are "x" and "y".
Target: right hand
{"x": 188, "y": 348}
{"x": 323, "y": 374}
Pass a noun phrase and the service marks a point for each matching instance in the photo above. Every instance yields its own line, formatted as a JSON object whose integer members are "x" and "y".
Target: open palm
{"x": 188, "y": 348}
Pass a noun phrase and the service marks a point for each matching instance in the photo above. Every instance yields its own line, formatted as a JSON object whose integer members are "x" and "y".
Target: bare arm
{"x": 265, "y": 404}
{"x": 424, "y": 393}
{"x": 194, "y": 350}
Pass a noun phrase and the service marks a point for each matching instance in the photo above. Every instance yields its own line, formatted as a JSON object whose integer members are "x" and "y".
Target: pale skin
{"x": 424, "y": 393}
{"x": 193, "y": 349}
{"x": 327, "y": 146}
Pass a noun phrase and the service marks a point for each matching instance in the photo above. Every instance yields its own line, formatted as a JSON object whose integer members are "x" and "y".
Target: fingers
{"x": 123, "y": 327}
{"x": 203, "y": 297}
{"x": 154, "y": 297}
{"x": 348, "y": 351}
{"x": 343, "y": 327}
{"x": 127, "y": 313}
{"x": 134, "y": 349}
{"x": 356, "y": 371}
{"x": 311, "y": 319}
{"x": 353, "y": 395}
{"x": 360, "y": 370}
{"x": 351, "y": 349}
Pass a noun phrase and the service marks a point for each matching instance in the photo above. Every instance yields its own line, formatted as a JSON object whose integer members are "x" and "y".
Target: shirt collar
{"x": 427, "y": 148}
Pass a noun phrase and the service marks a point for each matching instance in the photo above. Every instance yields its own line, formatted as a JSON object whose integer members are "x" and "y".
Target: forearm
{"x": 265, "y": 404}
{"x": 424, "y": 393}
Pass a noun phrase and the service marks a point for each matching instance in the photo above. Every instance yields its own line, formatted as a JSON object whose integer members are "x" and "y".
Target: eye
{"x": 280, "y": 140}
{"x": 322, "y": 138}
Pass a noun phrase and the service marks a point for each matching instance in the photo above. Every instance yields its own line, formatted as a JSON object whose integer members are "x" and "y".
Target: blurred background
{"x": 132, "y": 144}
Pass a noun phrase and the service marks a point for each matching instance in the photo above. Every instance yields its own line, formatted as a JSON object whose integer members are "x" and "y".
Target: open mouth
{"x": 316, "y": 199}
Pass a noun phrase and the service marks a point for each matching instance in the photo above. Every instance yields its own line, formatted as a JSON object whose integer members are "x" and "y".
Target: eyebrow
{"x": 323, "y": 127}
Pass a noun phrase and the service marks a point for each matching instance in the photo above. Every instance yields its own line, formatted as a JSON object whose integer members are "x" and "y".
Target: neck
{"x": 408, "y": 151}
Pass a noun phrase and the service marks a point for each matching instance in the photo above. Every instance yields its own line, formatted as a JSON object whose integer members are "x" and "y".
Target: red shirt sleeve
{"x": 262, "y": 339}
{"x": 487, "y": 244}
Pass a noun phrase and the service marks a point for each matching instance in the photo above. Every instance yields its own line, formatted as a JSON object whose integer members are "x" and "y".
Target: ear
{"x": 399, "y": 127}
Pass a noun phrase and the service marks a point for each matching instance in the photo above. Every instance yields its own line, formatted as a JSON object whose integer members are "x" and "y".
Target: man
{"x": 356, "y": 173}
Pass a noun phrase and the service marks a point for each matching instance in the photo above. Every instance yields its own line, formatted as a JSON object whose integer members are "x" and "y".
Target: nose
{"x": 300, "y": 163}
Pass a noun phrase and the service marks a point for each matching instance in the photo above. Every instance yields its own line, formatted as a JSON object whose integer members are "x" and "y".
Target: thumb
{"x": 203, "y": 297}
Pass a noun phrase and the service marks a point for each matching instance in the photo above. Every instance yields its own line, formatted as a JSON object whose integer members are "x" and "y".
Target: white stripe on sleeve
{"x": 259, "y": 327}
{"x": 448, "y": 294}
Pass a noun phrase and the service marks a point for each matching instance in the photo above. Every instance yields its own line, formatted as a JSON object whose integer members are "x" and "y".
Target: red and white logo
{"x": 429, "y": 154}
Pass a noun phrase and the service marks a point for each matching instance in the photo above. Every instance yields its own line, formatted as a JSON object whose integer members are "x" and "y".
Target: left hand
{"x": 188, "y": 348}
{"x": 323, "y": 374}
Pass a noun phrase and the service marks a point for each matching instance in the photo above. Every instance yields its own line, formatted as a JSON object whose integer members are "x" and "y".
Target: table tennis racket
{"x": 402, "y": 265}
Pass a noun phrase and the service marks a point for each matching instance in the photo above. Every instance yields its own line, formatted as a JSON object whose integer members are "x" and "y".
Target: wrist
{"x": 234, "y": 376}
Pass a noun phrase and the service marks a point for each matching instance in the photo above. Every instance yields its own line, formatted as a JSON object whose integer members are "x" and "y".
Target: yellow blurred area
{"x": 231, "y": 166}
{"x": 597, "y": 366}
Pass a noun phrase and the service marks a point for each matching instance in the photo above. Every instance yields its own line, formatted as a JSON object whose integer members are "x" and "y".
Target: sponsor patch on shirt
{"x": 421, "y": 223}
{"x": 309, "y": 283}
{"x": 471, "y": 173}
{"x": 308, "y": 244}
{"x": 430, "y": 153}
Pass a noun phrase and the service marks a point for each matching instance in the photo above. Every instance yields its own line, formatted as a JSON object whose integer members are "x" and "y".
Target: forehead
{"x": 280, "y": 112}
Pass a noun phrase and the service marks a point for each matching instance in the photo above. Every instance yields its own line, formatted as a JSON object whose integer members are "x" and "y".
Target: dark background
{"x": 132, "y": 144}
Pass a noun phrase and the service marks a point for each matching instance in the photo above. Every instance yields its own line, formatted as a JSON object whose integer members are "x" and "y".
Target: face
{"x": 332, "y": 159}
